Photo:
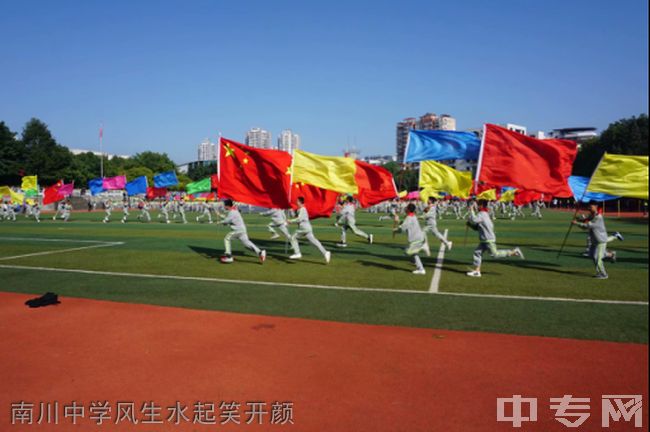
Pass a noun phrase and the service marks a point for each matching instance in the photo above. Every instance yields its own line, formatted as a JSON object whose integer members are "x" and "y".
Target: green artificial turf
{"x": 192, "y": 249}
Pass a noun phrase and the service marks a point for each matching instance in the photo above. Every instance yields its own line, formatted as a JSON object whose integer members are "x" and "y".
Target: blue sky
{"x": 163, "y": 75}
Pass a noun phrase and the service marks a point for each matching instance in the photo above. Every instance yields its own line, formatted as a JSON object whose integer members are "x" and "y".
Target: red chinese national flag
{"x": 375, "y": 184}
{"x": 319, "y": 202}
{"x": 523, "y": 197}
{"x": 154, "y": 192}
{"x": 254, "y": 176}
{"x": 51, "y": 194}
{"x": 511, "y": 159}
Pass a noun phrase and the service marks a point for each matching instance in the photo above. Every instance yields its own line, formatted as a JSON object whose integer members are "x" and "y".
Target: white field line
{"x": 98, "y": 244}
{"x": 435, "y": 280}
{"x": 330, "y": 287}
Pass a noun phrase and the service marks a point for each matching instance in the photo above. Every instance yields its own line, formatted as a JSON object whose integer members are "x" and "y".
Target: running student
{"x": 108, "y": 206}
{"x": 279, "y": 222}
{"x": 238, "y": 231}
{"x": 347, "y": 221}
{"x": 599, "y": 238}
{"x": 206, "y": 209}
{"x": 417, "y": 239}
{"x": 305, "y": 230}
{"x": 482, "y": 223}
{"x": 431, "y": 222}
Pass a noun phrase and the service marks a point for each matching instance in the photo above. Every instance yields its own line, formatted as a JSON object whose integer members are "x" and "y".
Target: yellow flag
{"x": 621, "y": 175}
{"x": 328, "y": 172}
{"x": 490, "y": 194}
{"x": 16, "y": 198}
{"x": 443, "y": 178}
{"x": 508, "y": 195}
{"x": 426, "y": 193}
{"x": 29, "y": 183}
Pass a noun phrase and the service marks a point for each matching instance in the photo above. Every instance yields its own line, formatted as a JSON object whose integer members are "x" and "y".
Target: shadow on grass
{"x": 207, "y": 253}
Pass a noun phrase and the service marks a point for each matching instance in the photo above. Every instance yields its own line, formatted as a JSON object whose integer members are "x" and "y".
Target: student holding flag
{"x": 144, "y": 211}
{"x": 278, "y": 221}
{"x": 347, "y": 221}
{"x": 431, "y": 222}
{"x": 599, "y": 238}
{"x": 108, "y": 207}
{"x": 238, "y": 231}
{"x": 482, "y": 223}
{"x": 305, "y": 230}
{"x": 416, "y": 237}
{"x": 125, "y": 210}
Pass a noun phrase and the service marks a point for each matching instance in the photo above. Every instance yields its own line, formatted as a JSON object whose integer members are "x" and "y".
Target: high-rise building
{"x": 446, "y": 122}
{"x": 428, "y": 121}
{"x": 259, "y": 138}
{"x": 403, "y": 129}
{"x": 288, "y": 141}
{"x": 207, "y": 151}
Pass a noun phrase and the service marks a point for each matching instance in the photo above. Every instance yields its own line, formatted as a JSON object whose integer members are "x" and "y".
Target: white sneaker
{"x": 328, "y": 257}
{"x": 262, "y": 256}
{"x": 342, "y": 245}
{"x": 274, "y": 236}
{"x": 419, "y": 272}
{"x": 449, "y": 245}
{"x": 473, "y": 273}
{"x": 519, "y": 253}
{"x": 295, "y": 256}
{"x": 371, "y": 238}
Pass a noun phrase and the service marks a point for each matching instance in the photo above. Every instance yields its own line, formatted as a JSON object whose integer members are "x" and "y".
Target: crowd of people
{"x": 405, "y": 215}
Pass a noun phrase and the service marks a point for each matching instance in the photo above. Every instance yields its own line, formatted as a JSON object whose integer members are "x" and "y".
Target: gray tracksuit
{"x": 416, "y": 237}
{"x": 238, "y": 231}
{"x": 487, "y": 238}
{"x": 304, "y": 230}
{"x": 598, "y": 239}
{"x": 347, "y": 221}
{"x": 279, "y": 221}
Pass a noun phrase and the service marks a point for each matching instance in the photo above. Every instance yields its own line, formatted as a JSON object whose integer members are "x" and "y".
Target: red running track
{"x": 339, "y": 377}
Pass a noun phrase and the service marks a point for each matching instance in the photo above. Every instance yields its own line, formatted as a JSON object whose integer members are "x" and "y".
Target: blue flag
{"x": 96, "y": 185}
{"x": 441, "y": 145}
{"x": 579, "y": 184}
{"x": 137, "y": 186}
{"x": 165, "y": 179}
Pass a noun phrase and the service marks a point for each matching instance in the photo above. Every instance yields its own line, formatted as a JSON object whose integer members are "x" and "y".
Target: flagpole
{"x": 101, "y": 152}
{"x": 566, "y": 236}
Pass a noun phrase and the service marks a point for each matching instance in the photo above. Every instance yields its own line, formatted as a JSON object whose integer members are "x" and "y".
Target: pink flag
{"x": 66, "y": 189}
{"x": 113, "y": 183}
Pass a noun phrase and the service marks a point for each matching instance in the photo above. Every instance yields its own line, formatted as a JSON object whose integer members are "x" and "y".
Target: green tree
{"x": 44, "y": 156}
{"x": 202, "y": 171}
{"x": 12, "y": 156}
{"x": 156, "y": 162}
{"x": 405, "y": 176}
{"x": 626, "y": 136}
{"x": 139, "y": 171}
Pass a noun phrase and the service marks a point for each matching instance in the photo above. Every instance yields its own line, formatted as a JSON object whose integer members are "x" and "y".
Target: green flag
{"x": 199, "y": 186}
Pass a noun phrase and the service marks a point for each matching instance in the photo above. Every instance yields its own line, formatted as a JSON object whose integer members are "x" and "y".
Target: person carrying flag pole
{"x": 416, "y": 238}
{"x": 278, "y": 221}
{"x": 305, "y": 230}
{"x": 431, "y": 222}
{"x": 144, "y": 211}
{"x": 599, "y": 238}
{"x": 125, "y": 210}
{"x": 347, "y": 221}
{"x": 108, "y": 207}
{"x": 482, "y": 223}
{"x": 238, "y": 231}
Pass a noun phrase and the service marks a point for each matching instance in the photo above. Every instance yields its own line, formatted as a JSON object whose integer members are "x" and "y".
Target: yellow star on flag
{"x": 229, "y": 150}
